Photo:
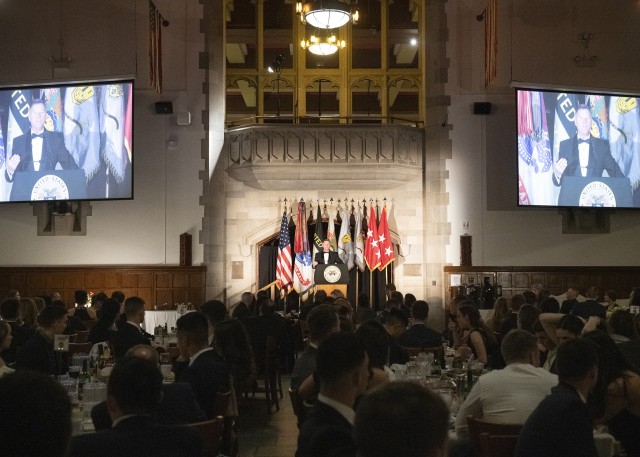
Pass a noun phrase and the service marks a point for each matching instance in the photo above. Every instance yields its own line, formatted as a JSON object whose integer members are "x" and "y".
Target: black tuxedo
{"x": 420, "y": 336}
{"x": 37, "y": 354}
{"x": 208, "y": 375}
{"x": 178, "y": 406}
{"x": 325, "y": 433}
{"x": 53, "y": 152}
{"x": 600, "y": 159}
{"x": 139, "y": 436}
{"x": 126, "y": 337}
{"x": 334, "y": 258}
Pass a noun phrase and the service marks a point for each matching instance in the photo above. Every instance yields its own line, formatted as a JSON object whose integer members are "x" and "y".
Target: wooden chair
{"x": 267, "y": 382}
{"x": 82, "y": 336}
{"x": 211, "y": 432}
{"x": 90, "y": 323}
{"x": 498, "y": 445}
{"x": 298, "y": 406}
{"x": 478, "y": 426}
{"x": 72, "y": 337}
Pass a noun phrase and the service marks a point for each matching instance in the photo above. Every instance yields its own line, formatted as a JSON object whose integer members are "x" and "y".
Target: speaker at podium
{"x": 332, "y": 277}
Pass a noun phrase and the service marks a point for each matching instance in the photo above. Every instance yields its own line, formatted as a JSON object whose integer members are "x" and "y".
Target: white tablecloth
{"x": 154, "y": 318}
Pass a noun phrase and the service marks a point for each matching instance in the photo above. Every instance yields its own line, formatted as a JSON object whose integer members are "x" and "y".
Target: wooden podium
{"x": 332, "y": 277}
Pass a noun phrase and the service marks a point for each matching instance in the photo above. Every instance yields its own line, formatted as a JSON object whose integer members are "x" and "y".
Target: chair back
{"x": 271, "y": 356}
{"x": 210, "y": 431}
{"x": 82, "y": 336}
{"x": 221, "y": 404}
{"x": 298, "y": 405}
{"x": 478, "y": 426}
{"x": 304, "y": 330}
{"x": 498, "y": 445}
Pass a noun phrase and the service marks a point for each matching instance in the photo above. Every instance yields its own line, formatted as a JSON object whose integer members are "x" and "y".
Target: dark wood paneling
{"x": 156, "y": 285}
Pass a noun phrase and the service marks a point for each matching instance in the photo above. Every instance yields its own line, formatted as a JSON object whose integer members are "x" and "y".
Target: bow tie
{"x": 37, "y": 135}
{"x": 582, "y": 141}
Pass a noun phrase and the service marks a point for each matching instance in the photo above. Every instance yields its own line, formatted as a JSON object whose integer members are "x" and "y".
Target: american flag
{"x": 283, "y": 265}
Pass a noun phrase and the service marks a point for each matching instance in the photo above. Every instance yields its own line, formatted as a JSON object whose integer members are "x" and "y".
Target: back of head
{"x": 338, "y": 356}
{"x": 621, "y": 323}
{"x": 396, "y": 318}
{"x": 375, "y": 340}
{"x": 398, "y": 297}
{"x": 10, "y": 309}
{"x": 267, "y": 307}
{"x": 337, "y": 293}
{"x": 612, "y": 294}
{"x": 401, "y": 419}
{"x": 517, "y": 345}
{"x": 409, "y": 300}
{"x": 136, "y": 385}
{"x": 420, "y": 310}
{"x": 133, "y": 305}
{"x": 549, "y": 305}
{"x": 322, "y": 321}
{"x": 50, "y": 315}
{"x": 215, "y": 311}
{"x": 343, "y": 307}
{"x": 592, "y": 293}
{"x": 194, "y": 327}
{"x": 571, "y": 323}
{"x": 36, "y": 416}
{"x": 247, "y": 298}
{"x": 529, "y": 297}
{"x": 575, "y": 359}
{"x": 80, "y": 297}
{"x": 390, "y": 287}
{"x": 363, "y": 300}
{"x": 110, "y": 310}
{"x": 232, "y": 341}
{"x": 527, "y": 315}
{"x": 517, "y": 301}
{"x": 143, "y": 351}
{"x": 319, "y": 296}
{"x": 118, "y": 296}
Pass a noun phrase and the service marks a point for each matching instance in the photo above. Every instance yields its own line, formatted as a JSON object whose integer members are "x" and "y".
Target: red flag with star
{"x": 371, "y": 248}
{"x": 385, "y": 244}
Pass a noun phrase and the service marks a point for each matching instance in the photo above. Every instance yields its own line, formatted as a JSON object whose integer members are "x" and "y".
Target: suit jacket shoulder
{"x": 325, "y": 433}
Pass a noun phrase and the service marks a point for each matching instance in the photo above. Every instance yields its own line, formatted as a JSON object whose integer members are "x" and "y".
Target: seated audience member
{"x": 342, "y": 365}
{"x": 29, "y": 313}
{"x": 118, "y": 295}
{"x": 215, "y": 311}
{"x": 501, "y": 311}
{"x": 10, "y": 313}
{"x": 81, "y": 309}
{"x": 409, "y": 300}
{"x": 178, "y": 404}
{"x": 390, "y": 304}
{"x": 631, "y": 349}
{"x": 399, "y": 298}
{"x": 419, "y": 335}
{"x": 527, "y": 315}
{"x": 561, "y": 424}
{"x": 511, "y": 321}
{"x": 615, "y": 400}
{"x": 610, "y": 298}
{"x": 337, "y": 293}
{"x": 452, "y": 333}
{"x": 477, "y": 337}
{"x": 36, "y": 416}
{"x": 5, "y": 343}
{"x": 590, "y": 307}
{"x": 561, "y": 327}
{"x": 396, "y": 324}
{"x": 97, "y": 301}
{"x": 509, "y": 395}
{"x": 345, "y": 314}
{"x": 74, "y": 323}
{"x": 37, "y": 354}
{"x": 318, "y": 298}
{"x": 13, "y": 294}
{"x": 401, "y": 419}
{"x": 549, "y": 305}
{"x": 529, "y": 297}
{"x": 134, "y": 391}
{"x": 322, "y": 321}
{"x": 622, "y": 326}
{"x": 572, "y": 298}
{"x": 105, "y": 328}
{"x": 364, "y": 311}
{"x": 542, "y": 296}
{"x": 548, "y": 348}
{"x": 375, "y": 340}
{"x": 268, "y": 324}
{"x": 198, "y": 363}
{"x": 131, "y": 334}
{"x": 245, "y": 306}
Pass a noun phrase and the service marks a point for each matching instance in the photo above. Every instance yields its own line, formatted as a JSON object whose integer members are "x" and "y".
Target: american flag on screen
{"x": 283, "y": 264}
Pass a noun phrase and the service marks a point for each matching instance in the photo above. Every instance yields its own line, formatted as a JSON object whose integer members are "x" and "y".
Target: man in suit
{"x": 215, "y": 311}
{"x": 10, "y": 313}
{"x": 392, "y": 420}
{"x": 130, "y": 333}
{"x": 267, "y": 324}
{"x": 343, "y": 369}
{"x": 199, "y": 364}
{"x": 561, "y": 424}
{"x": 177, "y": 406}
{"x": 134, "y": 391}
{"x": 37, "y": 354}
{"x": 327, "y": 256}
{"x": 38, "y": 149}
{"x": 584, "y": 155}
{"x": 419, "y": 335}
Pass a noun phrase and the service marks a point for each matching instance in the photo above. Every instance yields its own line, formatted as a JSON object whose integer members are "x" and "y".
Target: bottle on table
{"x": 83, "y": 378}
{"x": 436, "y": 369}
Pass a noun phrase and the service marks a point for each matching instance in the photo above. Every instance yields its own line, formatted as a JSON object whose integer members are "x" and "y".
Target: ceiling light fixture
{"x": 323, "y": 46}
{"x": 326, "y": 14}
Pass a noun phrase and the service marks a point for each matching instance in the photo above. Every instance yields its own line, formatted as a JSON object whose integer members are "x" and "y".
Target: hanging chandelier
{"x": 323, "y": 46}
{"x": 326, "y": 14}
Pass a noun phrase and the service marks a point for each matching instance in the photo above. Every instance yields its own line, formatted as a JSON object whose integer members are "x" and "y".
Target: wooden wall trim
{"x": 155, "y": 284}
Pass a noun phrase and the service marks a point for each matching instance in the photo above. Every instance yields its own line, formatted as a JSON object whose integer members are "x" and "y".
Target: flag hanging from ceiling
{"x": 345, "y": 243}
{"x": 82, "y": 128}
{"x": 359, "y": 252}
{"x": 318, "y": 236}
{"x": 283, "y": 264}
{"x": 387, "y": 255}
{"x": 155, "y": 47}
{"x": 490, "y": 42}
{"x": 302, "y": 270}
{"x": 371, "y": 248}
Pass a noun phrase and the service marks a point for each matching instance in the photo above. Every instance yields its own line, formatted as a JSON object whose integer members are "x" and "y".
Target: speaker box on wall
{"x": 481, "y": 108}
{"x": 164, "y": 107}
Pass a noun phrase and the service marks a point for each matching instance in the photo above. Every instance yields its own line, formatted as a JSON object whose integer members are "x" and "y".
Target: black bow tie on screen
{"x": 37, "y": 135}
{"x": 582, "y": 141}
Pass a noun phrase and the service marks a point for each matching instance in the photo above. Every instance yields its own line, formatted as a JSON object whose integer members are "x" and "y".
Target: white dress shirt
{"x": 36, "y": 152}
{"x": 583, "y": 152}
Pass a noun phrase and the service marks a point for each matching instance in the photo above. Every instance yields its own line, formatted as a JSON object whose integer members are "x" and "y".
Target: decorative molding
{"x": 331, "y": 157}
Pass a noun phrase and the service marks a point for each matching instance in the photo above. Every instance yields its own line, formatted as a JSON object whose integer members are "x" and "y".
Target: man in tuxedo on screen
{"x": 327, "y": 256}
{"x": 38, "y": 149}
{"x": 584, "y": 155}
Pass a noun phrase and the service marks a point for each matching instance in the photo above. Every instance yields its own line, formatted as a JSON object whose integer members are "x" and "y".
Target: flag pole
{"x": 370, "y": 286}
{"x": 357, "y": 294}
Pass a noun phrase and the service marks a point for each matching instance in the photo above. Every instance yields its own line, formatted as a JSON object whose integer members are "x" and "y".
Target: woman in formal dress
{"x": 5, "y": 342}
{"x": 29, "y": 312}
{"x": 615, "y": 401}
{"x": 500, "y": 312}
{"x": 476, "y": 334}
{"x": 81, "y": 309}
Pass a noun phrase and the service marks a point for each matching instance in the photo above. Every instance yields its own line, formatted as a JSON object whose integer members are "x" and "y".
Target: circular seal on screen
{"x": 332, "y": 274}
{"x": 50, "y": 187}
{"x": 597, "y": 194}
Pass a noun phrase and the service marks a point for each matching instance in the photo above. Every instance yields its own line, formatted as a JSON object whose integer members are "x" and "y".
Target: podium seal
{"x": 50, "y": 187}
{"x": 597, "y": 194}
